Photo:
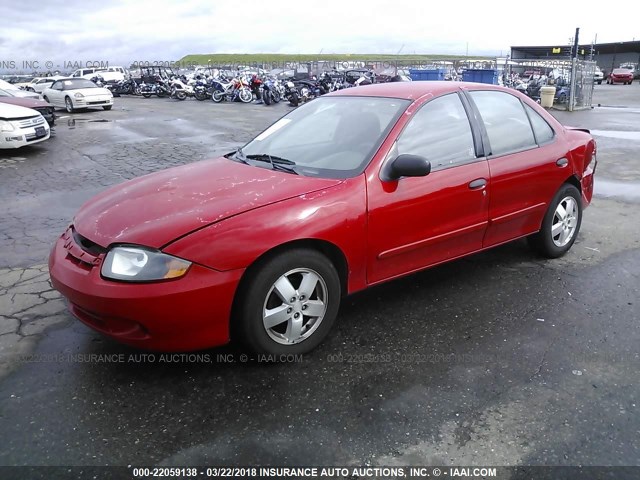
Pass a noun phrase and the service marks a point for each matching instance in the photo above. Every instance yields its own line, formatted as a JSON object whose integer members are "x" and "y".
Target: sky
{"x": 123, "y": 31}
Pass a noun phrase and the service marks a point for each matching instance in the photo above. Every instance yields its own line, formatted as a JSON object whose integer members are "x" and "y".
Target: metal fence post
{"x": 572, "y": 85}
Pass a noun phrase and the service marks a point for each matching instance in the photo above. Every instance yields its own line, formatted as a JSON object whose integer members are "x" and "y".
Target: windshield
{"x": 79, "y": 83}
{"x": 331, "y": 137}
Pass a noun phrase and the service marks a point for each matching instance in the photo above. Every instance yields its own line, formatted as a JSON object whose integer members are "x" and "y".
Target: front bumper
{"x": 188, "y": 313}
{"x": 24, "y": 136}
{"x": 87, "y": 102}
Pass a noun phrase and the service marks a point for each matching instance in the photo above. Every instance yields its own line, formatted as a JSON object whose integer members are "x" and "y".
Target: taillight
{"x": 594, "y": 161}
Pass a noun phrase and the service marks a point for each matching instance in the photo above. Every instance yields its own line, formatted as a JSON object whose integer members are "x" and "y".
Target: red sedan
{"x": 620, "y": 75}
{"x": 353, "y": 189}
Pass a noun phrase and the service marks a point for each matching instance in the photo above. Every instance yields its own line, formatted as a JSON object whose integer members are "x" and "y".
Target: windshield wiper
{"x": 265, "y": 157}
{"x": 277, "y": 163}
{"x": 238, "y": 155}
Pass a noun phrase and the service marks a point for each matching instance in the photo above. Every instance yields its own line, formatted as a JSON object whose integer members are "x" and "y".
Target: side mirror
{"x": 406, "y": 165}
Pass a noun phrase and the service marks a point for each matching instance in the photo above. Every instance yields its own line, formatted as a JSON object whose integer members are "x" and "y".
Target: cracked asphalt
{"x": 501, "y": 358}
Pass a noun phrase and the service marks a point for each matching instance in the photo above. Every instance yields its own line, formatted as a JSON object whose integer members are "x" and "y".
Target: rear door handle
{"x": 478, "y": 183}
{"x": 562, "y": 162}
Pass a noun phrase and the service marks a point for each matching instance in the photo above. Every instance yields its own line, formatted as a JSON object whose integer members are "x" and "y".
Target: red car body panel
{"x": 155, "y": 209}
{"x": 223, "y": 216}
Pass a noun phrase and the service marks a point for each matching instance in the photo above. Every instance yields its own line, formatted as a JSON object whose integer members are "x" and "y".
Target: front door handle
{"x": 562, "y": 162}
{"x": 478, "y": 183}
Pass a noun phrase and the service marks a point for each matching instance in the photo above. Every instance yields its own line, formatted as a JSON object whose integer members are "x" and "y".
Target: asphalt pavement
{"x": 501, "y": 358}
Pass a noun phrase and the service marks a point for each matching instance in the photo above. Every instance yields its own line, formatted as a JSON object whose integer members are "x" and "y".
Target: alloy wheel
{"x": 295, "y": 306}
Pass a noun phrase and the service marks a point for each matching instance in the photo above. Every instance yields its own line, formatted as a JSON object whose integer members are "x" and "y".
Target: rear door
{"x": 416, "y": 222}
{"x": 527, "y": 164}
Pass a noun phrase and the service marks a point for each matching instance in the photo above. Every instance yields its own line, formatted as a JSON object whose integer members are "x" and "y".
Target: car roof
{"x": 411, "y": 90}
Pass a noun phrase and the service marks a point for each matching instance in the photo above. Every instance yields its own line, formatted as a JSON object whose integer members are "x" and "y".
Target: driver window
{"x": 440, "y": 132}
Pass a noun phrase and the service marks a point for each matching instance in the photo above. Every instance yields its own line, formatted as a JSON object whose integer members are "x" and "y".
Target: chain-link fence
{"x": 573, "y": 80}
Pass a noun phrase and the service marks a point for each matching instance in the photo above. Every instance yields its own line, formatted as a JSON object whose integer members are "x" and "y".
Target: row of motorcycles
{"x": 242, "y": 88}
{"x": 531, "y": 87}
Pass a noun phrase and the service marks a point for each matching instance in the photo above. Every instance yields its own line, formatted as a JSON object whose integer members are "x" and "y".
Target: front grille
{"x": 31, "y": 122}
{"x": 87, "y": 245}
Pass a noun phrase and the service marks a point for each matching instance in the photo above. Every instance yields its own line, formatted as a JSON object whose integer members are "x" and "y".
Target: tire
{"x": 200, "y": 95}
{"x": 294, "y": 99}
{"x": 276, "y": 96}
{"x": 259, "y": 294}
{"x": 549, "y": 243}
{"x": 266, "y": 97}
{"x": 217, "y": 96}
{"x": 146, "y": 95}
{"x": 161, "y": 93}
{"x": 245, "y": 95}
{"x": 181, "y": 95}
{"x": 108, "y": 107}
{"x": 599, "y": 82}
{"x": 68, "y": 104}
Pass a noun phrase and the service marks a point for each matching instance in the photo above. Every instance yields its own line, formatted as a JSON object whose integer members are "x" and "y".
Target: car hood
{"x": 10, "y": 112}
{"x": 24, "y": 94}
{"x": 24, "y": 102}
{"x": 158, "y": 208}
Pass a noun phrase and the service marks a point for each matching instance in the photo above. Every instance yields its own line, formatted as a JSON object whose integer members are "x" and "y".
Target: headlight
{"x": 6, "y": 126}
{"x": 136, "y": 264}
{"x": 78, "y": 95}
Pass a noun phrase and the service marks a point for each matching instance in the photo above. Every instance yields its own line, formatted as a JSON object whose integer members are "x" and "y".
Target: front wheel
{"x": 560, "y": 225}
{"x": 294, "y": 99}
{"x": 146, "y": 94}
{"x": 68, "y": 104}
{"x": 266, "y": 97}
{"x": 180, "y": 95}
{"x": 289, "y": 303}
{"x": 245, "y": 95}
{"x": 107, "y": 107}
{"x": 200, "y": 95}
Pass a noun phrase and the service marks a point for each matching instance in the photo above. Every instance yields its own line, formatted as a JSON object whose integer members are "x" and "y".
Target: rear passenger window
{"x": 544, "y": 133}
{"x": 506, "y": 122}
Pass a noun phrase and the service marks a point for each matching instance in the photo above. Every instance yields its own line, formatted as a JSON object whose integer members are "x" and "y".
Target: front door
{"x": 421, "y": 221}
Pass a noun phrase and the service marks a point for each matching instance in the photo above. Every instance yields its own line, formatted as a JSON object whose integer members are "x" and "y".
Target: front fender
{"x": 336, "y": 215}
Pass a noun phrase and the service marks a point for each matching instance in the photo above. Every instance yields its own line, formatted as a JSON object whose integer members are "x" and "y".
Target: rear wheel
{"x": 560, "y": 225}
{"x": 217, "y": 96}
{"x": 290, "y": 303}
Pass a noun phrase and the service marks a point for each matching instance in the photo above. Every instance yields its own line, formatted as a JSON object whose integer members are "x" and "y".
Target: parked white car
{"x": 109, "y": 74}
{"x": 20, "y": 126}
{"x": 40, "y": 84}
{"x": 598, "y": 76}
{"x": 18, "y": 92}
{"x": 75, "y": 93}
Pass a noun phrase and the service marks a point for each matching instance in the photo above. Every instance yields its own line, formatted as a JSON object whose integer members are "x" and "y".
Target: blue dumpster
{"x": 480, "y": 76}
{"x": 435, "y": 74}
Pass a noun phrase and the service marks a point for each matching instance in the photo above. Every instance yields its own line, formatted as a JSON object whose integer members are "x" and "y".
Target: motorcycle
{"x": 180, "y": 90}
{"x": 271, "y": 91}
{"x": 236, "y": 89}
{"x": 202, "y": 89}
{"x": 147, "y": 89}
{"x": 300, "y": 91}
{"x": 162, "y": 89}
